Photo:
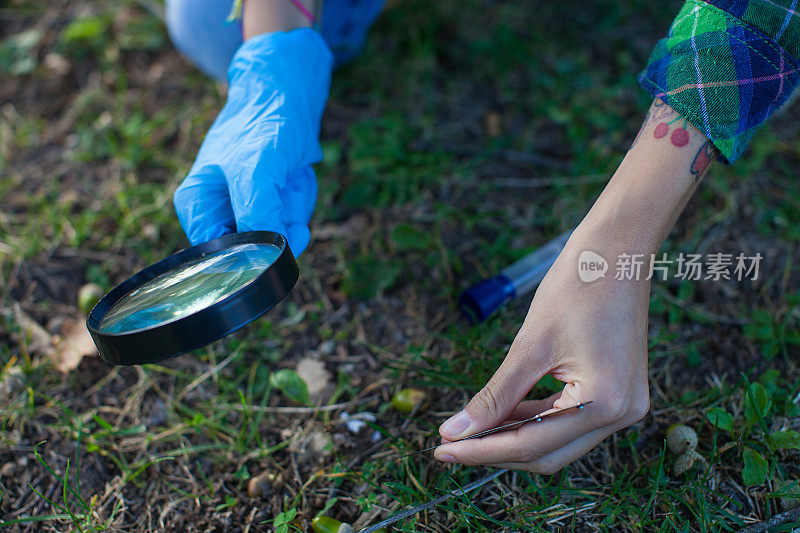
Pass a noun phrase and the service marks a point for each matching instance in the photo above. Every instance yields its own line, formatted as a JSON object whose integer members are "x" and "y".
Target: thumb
{"x": 497, "y": 400}
{"x": 203, "y": 205}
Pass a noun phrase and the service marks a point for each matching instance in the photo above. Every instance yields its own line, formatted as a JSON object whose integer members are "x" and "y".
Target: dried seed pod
{"x": 410, "y": 400}
{"x": 685, "y": 461}
{"x": 88, "y": 295}
{"x": 259, "y": 486}
{"x": 681, "y": 438}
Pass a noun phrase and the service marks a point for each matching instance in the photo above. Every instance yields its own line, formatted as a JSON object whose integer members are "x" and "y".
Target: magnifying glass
{"x": 192, "y": 298}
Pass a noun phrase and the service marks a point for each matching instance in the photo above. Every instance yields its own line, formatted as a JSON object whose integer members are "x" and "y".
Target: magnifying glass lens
{"x": 189, "y": 288}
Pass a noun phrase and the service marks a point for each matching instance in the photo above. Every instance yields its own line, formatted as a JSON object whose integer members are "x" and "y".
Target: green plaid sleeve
{"x": 727, "y": 66}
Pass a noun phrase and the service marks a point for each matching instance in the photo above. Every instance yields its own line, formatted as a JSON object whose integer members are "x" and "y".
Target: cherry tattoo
{"x": 705, "y": 156}
{"x": 679, "y": 137}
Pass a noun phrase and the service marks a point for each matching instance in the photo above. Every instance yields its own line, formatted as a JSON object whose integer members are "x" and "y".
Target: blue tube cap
{"x": 484, "y": 298}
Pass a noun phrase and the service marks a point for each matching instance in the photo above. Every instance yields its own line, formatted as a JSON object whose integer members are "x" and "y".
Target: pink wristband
{"x": 299, "y": 5}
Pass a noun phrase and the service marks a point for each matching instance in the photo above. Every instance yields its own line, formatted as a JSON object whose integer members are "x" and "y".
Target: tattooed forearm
{"x": 664, "y": 123}
{"x": 705, "y": 156}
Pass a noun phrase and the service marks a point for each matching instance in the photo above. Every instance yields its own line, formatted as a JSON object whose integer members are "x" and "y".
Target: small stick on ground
{"x": 776, "y": 520}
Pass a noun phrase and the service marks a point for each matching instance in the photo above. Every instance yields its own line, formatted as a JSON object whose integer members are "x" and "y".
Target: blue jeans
{"x": 198, "y": 28}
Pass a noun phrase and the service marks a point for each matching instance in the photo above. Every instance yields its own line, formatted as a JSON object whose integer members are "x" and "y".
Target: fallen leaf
{"x": 291, "y": 384}
{"x": 314, "y": 374}
{"x": 72, "y": 344}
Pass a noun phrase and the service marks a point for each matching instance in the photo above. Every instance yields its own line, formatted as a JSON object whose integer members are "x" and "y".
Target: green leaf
{"x": 291, "y": 384}
{"x": 103, "y": 422}
{"x": 243, "y": 474}
{"x": 408, "y": 237}
{"x": 85, "y": 29}
{"x": 401, "y": 488}
{"x": 281, "y": 521}
{"x": 755, "y": 467}
{"x": 720, "y": 418}
{"x": 781, "y": 440}
{"x": 757, "y": 395}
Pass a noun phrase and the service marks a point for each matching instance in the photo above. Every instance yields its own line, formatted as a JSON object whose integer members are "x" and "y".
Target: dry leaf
{"x": 72, "y": 345}
{"x": 66, "y": 349}
{"x": 314, "y": 374}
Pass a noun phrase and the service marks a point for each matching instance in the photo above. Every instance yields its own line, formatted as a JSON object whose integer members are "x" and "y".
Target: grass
{"x": 465, "y": 135}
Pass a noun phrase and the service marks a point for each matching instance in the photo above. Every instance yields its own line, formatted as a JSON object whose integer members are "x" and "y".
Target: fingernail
{"x": 456, "y": 424}
{"x": 447, "y": 458}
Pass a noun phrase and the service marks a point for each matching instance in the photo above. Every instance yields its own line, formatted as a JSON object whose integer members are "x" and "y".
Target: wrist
{"x": 655, "y": 180}
{"x": 265, "y": 16}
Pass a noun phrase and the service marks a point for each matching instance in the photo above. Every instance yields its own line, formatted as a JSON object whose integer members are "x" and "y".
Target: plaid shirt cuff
{"x": 726, "y": 66}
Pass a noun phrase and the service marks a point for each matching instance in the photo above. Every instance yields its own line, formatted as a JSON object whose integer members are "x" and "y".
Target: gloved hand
{"x": 253, "y": 169}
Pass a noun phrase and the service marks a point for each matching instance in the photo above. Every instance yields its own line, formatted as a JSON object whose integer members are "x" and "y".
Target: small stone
{"x": 355, "y": 423}
{"x": 259, "y": 486}
{"x": 327, "y": 347}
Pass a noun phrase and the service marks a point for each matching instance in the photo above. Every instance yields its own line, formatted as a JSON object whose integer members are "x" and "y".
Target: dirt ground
{"x": 449, "y": 153}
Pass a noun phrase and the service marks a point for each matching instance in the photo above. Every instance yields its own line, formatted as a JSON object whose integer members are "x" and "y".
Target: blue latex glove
{"x": 253, "y": 170}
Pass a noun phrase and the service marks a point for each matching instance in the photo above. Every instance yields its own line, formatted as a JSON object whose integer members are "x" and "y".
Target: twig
{"x": 433, "y": 503}
{"x": 298, "y": 410}
{"x": 210, "y": 372}
{"x": 776, "y": 520}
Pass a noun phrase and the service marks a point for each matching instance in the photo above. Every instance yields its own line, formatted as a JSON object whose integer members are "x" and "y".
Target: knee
{"x": 200, "y": 31}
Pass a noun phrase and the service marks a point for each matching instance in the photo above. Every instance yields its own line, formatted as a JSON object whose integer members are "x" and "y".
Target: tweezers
{"x": 506, "y": 427}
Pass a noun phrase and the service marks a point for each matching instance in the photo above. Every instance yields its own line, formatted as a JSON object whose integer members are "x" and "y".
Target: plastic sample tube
{"x": 521, "y": 277}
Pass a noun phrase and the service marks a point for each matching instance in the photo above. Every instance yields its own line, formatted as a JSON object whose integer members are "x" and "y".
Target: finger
{"x": 526, "y": 443}
{"x": 203, "y": 205}
{"x": 256, "y": 201}
{"x": 299, "y": 196}
{"x": 555, "y": 461}
{"x": 526, "y": 409}
{"x": 501, "y": 395}
{"x": 298, "y": 236}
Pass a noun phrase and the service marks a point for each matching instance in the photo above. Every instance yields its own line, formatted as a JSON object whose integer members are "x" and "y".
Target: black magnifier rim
{"x": 202, "y": 327}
